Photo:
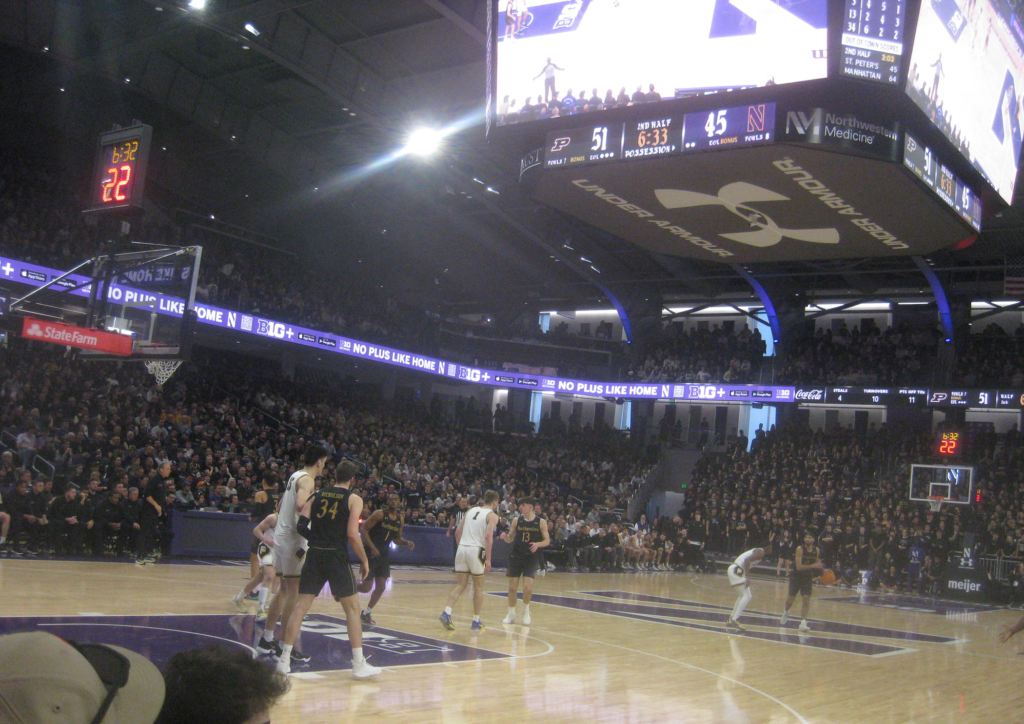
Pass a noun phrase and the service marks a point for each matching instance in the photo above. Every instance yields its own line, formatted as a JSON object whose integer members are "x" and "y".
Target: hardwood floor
{"x": 647, "y": 647}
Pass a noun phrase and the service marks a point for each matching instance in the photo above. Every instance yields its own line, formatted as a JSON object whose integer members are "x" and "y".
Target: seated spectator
{"x": 219, "y": 685}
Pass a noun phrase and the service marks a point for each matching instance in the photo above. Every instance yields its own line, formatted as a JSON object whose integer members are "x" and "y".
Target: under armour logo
{"x": 735, "y": 197}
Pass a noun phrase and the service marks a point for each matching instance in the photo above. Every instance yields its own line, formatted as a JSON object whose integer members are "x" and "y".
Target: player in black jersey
{"x": 329, "y": 522}
{"x": 527, "y": 535}
{"x": 264, "y": 502}
{"x": 379, "y": 531}
{"x": 806, "y": 565}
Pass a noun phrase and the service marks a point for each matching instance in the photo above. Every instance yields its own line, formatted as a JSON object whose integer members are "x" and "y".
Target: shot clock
{"x": 120, "y": 173}
{"x": 949, "y": 443}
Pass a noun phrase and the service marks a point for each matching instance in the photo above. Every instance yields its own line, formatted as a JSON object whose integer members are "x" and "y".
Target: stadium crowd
{"x": 105, "y": 433}
{"x": 850, "y": 490}
{"x": 897, "y": 355}
{"x": 714, "y": 354}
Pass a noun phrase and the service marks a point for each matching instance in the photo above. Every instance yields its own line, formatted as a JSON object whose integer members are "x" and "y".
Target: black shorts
{"x": 255, "y": 547}
{"x": 799, "y": 584}
{"x": 327, "y": 566}
{"x": 522, "y": 565}
{"x": 380, "y": 567}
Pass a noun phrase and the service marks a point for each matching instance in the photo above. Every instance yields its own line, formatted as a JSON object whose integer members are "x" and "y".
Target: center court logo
{"x": 735, "y": 198}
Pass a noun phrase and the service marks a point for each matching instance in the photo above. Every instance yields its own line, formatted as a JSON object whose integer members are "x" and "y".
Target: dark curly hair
{"x": 218, "y": 685}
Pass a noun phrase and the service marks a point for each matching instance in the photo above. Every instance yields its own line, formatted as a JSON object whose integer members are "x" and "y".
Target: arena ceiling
{"x": 290, "y": 132}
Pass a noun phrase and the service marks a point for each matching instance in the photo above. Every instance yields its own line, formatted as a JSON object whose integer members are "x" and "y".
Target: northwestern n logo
{"x": 735, "y": 197}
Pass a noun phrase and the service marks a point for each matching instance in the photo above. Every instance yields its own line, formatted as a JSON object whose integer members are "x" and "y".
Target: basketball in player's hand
{"x": 828, "y": 577}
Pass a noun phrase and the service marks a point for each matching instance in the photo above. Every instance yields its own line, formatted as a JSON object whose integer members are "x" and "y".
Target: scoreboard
{"x": 873, "y": 40}
{"x": 944, "y": 183}
{"x": 662, "y": 135}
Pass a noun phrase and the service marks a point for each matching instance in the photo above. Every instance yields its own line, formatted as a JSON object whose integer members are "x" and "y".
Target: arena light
{"x": 197, "y": 4}
{"x": 424, "y": 141}
{"x": 252, "y": 30}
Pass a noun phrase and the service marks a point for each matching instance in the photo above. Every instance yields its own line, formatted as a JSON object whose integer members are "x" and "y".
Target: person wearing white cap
{"x": 46, "y": 680}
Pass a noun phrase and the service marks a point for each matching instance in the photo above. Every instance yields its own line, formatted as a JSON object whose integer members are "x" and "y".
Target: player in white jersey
{"x": 475, "y": 536}
{"x": 266, "y": 574}
{"x": 739, "y": 579}
{"x": 289, "y": 547}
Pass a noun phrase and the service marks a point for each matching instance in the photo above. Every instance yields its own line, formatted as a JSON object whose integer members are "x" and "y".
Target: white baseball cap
{"x": 46, "y": 680}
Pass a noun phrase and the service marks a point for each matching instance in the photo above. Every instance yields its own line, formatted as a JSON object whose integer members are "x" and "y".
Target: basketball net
{"x": 162, "y": 369}
{"x": 935, "y": 503}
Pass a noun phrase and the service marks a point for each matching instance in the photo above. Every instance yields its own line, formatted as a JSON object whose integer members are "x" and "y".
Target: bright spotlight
{"x": 251, "y": 29}
{"x": 197, "y": 4}
{"x": 423, "y": 141}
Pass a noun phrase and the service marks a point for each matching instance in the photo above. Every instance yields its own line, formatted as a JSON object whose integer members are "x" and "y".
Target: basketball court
{"x": 632, "y": 647}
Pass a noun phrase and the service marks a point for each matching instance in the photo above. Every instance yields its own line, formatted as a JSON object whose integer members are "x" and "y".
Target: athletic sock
{"x": 268, "y": 635}
{"x": 263, "y": 596}
{"x": 476, "y": 618}
{"x": 286, "y": 651}
{"x": 369, "y": 608}
{"x": 448, "y": 610}
{"x": 3, "y": 539}
{"x": 526, "y": 608}
{"x": 512, "y": 610}
{"x": 357, "y": 654}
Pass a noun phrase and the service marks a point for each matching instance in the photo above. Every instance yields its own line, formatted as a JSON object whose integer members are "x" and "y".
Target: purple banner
{"x": 33, "y": 275}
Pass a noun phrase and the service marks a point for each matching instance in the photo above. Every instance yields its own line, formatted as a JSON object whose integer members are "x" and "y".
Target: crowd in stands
{"x": 897, "y": 355}
{"x": 105, "y": 431}
{"x": 713, "y": 354}
{"x": 992, "y": 358}
{"x": 850, "y": 490}
{"x": 571, "y": 103}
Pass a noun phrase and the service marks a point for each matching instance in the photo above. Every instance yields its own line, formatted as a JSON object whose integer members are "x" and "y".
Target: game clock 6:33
{"x": 120, "y": 171}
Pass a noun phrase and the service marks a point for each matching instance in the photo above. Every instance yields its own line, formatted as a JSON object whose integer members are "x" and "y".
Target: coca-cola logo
{"x": 817, "y": 395}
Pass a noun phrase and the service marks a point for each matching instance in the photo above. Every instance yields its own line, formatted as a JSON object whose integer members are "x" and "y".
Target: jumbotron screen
{"x": 967, "y": 73}
{"x": 557, "y": 57}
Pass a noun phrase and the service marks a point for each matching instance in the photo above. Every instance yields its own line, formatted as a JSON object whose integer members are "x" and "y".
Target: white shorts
{"x": 266, "y": 554}
{"x": 286, "y": 556}
{"x": 735, "y": 574}
{"x": 470, "y": 559}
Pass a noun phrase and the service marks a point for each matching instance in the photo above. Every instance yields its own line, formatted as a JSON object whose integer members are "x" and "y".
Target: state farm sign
{"x": 66, "y": 334}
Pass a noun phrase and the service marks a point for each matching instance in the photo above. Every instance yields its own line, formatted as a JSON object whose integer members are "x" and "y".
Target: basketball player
{"x": 528, "y": 534}
{"x": 739, "y": 579}
{"x": 264, "y": 503}
{"x": 378, "y": 531}
{"x": 266, "y": 578}
{"x": 511, "y": 19}
{"x": 475, "y": 536}
{"x": 330, "y": 521}
{"x": 289, "y": 547}
{"x": 806, "y": 563}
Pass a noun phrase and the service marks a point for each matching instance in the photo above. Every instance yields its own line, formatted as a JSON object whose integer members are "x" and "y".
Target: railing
{"x": 280, "y": 423}
{"x": 998, "y": 567}
{"x": 47, "y": 467}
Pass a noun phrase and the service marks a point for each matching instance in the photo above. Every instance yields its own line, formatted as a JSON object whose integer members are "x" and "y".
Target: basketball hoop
{"x": 162, "y": 369}
{"x": 935, "y": 502}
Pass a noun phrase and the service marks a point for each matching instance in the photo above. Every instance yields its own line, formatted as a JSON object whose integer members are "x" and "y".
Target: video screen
{"x": 563, "y": 57}
{"x": 967, "y": 73}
